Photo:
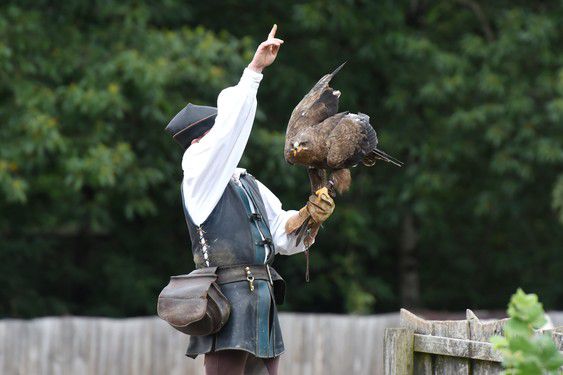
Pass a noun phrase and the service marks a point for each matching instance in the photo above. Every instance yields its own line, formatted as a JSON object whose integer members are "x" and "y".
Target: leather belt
{"x": 231, "y": 274}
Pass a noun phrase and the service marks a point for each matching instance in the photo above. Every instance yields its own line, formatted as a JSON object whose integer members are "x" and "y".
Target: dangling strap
{"x": 307, "y": 269}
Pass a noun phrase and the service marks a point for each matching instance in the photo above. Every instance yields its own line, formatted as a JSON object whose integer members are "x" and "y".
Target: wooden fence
{"x": 315, "y": 344}
{"x": 422, "y": 347}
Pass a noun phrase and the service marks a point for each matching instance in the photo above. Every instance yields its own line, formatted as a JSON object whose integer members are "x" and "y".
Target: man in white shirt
{"x": 235, "y": 222}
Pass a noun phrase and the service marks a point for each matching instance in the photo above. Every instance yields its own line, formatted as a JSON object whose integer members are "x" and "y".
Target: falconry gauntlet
{"x": 319, "y": 208}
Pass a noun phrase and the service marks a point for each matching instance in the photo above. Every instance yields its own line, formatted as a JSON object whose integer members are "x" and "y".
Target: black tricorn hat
{"x": 191, "y": 123}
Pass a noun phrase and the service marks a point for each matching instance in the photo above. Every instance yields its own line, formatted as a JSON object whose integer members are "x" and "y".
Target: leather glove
{"x": 320, "y": 206}
{"x": 294, "y": 222}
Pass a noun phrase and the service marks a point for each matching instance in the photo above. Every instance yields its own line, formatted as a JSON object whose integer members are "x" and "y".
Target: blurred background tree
{"x": 469, "y": 94}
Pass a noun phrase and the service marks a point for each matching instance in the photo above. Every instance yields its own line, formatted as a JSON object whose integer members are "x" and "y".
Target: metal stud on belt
{"x": 250, "y": 278}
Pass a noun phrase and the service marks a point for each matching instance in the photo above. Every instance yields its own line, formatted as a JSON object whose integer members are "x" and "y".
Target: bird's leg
{"x": 317, "y": 177}
{"x": 311, "y": 228}
{"x": 331, "y": 186}
{"x": 319, "y": 185}
{"x": 339, "y": 181}
{"x": 308, "y": 229}
{"x": 319, "y": 182}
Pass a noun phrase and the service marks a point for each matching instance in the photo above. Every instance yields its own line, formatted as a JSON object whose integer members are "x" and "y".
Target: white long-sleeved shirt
{"x": 211, "y": 163}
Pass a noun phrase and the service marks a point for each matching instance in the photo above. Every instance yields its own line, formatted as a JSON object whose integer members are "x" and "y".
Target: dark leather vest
{"x": 231, "y": 236}
{"x": 231, "y": 233}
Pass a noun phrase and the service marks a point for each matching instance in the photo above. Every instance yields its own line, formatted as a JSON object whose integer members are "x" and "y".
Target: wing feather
{"x": 345, "y": 141}
{"x": 320, "y": 103}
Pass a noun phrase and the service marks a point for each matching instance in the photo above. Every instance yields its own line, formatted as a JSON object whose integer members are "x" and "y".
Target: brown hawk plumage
{"x": 328, "y": 142}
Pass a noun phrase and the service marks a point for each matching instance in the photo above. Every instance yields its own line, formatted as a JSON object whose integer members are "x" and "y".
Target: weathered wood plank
{"x": 557, "y": 335}
{"x": 334, "y": 344}
{"x": 315, "y": 344}
{"x": 460, "y": 347}
{"x": 482, "y": 331}
{"x": 398, "y": 351}
{"x": 422, "y": 361}
{"x": 466, "y": 349}
{"x": 556, "y": 318}
{"x": 457, "y": 329}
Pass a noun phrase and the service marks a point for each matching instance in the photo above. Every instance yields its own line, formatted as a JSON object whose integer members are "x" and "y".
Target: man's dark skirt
{"x": 253, "y": 325}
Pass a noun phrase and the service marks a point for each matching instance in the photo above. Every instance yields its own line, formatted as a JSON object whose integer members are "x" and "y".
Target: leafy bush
{"x": 525, "y": 352}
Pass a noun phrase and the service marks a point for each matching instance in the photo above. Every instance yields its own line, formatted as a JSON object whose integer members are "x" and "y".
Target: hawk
{"x": 328, "y": 143}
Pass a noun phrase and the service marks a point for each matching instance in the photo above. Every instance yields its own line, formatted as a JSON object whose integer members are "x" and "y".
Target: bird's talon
{"x": 321, "y": 191}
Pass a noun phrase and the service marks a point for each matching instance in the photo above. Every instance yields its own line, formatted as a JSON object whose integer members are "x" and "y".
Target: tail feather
{"x": 377, "y": 154}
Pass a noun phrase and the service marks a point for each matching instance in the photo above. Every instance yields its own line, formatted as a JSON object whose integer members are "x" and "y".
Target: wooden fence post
{"x": 482, "y": 331}
{"x": 422, "y": 361}
{"x": 557, "y": 335}
{"x": 398, "y": 351}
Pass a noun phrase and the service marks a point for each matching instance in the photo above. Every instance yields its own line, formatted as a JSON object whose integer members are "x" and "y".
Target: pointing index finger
{"x": 273, "y": 31}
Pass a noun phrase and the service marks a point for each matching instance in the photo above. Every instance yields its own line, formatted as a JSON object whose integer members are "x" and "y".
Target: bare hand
{"x": 266, "y": 52}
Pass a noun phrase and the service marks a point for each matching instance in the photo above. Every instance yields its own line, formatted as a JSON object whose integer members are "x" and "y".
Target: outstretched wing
{"x": 320, "y": 103}
{"x": 321, "y": 95}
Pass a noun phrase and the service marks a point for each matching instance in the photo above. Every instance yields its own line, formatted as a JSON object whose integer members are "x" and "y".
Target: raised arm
{"x": 209, "y": 164}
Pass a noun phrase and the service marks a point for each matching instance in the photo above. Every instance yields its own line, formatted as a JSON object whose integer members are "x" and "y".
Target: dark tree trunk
{"x": 409, "y": 282}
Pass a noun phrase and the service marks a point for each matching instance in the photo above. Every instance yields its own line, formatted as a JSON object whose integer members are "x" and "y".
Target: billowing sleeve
{"x": 209, "y": 164}
{"x": 277, "y": 217}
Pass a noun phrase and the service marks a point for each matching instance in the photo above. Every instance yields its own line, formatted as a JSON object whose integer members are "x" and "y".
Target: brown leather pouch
{"x": 194, "y": 303}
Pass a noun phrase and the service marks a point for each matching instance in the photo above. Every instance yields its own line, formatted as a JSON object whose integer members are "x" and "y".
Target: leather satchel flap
{"x": 184, "y": 299}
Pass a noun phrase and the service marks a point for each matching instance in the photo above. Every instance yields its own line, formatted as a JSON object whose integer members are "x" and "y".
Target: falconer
{"x": 236, "y": 223}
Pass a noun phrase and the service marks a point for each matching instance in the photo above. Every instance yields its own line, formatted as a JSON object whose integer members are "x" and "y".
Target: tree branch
{"x": 483, "y": 20}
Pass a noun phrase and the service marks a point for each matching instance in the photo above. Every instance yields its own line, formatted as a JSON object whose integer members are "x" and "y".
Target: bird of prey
{"x": 328, "y": 143}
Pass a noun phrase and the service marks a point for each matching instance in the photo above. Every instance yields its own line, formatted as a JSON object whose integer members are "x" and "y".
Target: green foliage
{"x": 524, "y": 352}
{"x": 90, "y": 214}
{"x": 475, "y": 119}
{"x": 85, "y": 98}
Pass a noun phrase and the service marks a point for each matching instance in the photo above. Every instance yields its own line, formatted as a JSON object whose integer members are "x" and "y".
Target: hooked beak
{"x": 296, "y": 150}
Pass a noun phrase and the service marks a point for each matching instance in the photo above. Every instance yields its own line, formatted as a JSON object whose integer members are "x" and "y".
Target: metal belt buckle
{"x": 269, "y": 274}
